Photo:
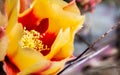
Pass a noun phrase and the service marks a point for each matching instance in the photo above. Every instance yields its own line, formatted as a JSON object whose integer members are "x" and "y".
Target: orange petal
{"x": 10, "y": 68}
{"x": 28, "y": 19}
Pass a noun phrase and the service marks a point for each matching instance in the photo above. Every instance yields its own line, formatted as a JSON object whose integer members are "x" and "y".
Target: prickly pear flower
{"x": 41, "y": 37}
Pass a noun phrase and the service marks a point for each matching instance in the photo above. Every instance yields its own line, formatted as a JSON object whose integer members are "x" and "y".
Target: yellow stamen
{"x": 31, "y": 39}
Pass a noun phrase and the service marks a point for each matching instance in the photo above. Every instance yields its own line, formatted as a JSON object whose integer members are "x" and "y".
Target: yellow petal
{"x": 65, "y": 51}
{"x": 38, "y": 9}
{"x": 44, "y": 68}
{"x": 55, "y": 68}
{"x": 14, "y": 36}
{"x": 39, "y": 66}
{"x": 59, "y": 13}
{"x": 72, "y": 7}
{"x": 61, "y": 39}
{"x": 12, "y": 7}
{"x": 63, "y": 19}
{"x": 25, "y": 58}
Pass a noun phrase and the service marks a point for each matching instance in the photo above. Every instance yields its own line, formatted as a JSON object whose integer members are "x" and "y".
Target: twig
{"x": 70, "y": 63}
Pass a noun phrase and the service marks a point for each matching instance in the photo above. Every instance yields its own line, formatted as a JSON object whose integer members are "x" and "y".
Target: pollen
{"x": 31, "y": 39}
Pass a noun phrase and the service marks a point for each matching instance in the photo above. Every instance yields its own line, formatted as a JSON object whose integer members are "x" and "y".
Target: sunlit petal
{"x": 14, "y": 36}
{"x": 61, "y": 39}
{"x": 12, "y": 8}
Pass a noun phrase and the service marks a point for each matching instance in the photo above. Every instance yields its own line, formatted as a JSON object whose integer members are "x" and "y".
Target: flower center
{"x": 31, "y": 39}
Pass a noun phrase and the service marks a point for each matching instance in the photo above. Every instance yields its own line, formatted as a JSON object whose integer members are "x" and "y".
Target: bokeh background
{"x": 98, "y": 20}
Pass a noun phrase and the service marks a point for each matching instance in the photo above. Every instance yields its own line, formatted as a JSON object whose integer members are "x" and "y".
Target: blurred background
{"x": 100, "y": 18}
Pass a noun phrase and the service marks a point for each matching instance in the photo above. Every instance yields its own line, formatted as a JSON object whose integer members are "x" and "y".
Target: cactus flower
{"x": 41, "y": 37}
